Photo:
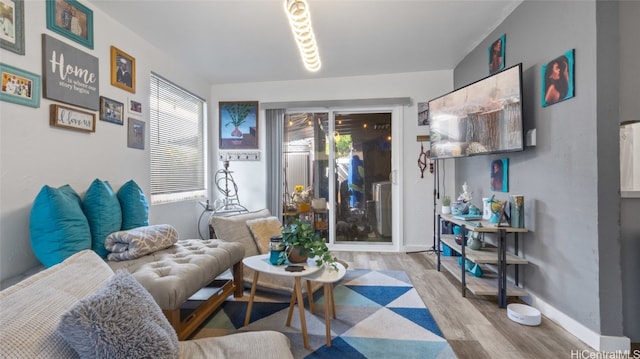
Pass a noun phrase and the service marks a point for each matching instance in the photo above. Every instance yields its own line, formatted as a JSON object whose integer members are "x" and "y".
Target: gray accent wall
{"x": 571, "y": 178}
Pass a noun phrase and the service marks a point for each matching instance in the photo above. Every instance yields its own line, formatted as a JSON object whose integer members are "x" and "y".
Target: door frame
{"x": 396, "y": 166}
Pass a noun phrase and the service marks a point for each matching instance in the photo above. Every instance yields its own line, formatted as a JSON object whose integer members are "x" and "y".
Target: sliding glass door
{"x": 344, "y": 159}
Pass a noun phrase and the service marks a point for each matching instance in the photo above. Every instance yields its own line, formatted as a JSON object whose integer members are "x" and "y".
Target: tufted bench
{"x": 174, "y": 274}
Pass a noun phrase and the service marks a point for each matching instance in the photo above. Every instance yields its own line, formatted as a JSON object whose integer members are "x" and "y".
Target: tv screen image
{"x": 481, "y": 118}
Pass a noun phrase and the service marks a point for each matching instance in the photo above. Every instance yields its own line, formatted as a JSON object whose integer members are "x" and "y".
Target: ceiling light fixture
{"x": 300, "y": 21}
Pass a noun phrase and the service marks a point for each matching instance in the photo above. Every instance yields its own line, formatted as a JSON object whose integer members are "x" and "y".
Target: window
{"x": 176, "y": 143}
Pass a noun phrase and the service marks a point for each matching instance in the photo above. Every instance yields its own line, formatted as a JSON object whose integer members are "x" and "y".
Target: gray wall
{"x": 570, "y": 180}
{"x": 630, "y": 207}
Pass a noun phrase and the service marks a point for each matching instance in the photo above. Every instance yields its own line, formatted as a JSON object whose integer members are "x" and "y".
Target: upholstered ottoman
{"x": 174, "y": 274}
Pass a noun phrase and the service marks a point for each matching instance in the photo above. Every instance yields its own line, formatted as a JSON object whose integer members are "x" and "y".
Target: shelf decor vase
{"x": 517, "y": 211}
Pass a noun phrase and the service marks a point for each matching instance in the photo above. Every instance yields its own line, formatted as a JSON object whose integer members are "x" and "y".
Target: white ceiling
{"x": 231, "y": 41}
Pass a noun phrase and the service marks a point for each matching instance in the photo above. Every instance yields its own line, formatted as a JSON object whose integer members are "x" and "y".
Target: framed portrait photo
{"x": 558, "y": 79}
{"x": 12, "y": 25}
{"x": 135, "y": 133}
{"x": 135, "y": 107}
{"x": 496, "y": 54}
{"x": 238, "y": 125}
{"x": 500, "y": 175}
{"x": 19, "y": 86}
{"x": 123, "y": 70}
{"x": 111, "y": 111}
{"x": 72, "y": 20}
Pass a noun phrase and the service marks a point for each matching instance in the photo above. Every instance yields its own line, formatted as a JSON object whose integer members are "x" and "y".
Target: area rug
{"x": 379, "y": 315}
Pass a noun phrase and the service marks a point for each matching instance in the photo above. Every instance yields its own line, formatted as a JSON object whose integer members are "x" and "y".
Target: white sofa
{"x": 31, "y": 311}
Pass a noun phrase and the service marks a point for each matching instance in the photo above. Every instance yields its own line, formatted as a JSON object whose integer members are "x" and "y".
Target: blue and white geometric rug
{"x": 379, "y": 315}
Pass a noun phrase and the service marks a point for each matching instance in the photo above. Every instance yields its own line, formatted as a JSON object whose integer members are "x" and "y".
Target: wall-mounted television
{"x": 481, "y": 118}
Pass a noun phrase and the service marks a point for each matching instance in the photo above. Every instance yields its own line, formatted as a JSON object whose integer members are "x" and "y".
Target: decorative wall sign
{"x": 70, "y": 75}
{"x": 557, "y": 79}
{"x": 123, "y": 70}
{"x": 12, "y": 25}
{"x": 238, "y": 125}
{"x": 72, "y": 20}
{"x": 135, "y": 134}
{"x": 19, "y": 86}
{"x": 111, "y": 111}
{"x": 67, "y": 117}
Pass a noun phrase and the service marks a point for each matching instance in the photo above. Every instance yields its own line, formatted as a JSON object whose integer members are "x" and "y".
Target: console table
{"x": 493, "y": 282}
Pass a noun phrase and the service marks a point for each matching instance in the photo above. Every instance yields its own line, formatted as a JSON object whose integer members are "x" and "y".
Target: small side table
{"x": 328, "y": 275}
{"x": 261, "y": 264}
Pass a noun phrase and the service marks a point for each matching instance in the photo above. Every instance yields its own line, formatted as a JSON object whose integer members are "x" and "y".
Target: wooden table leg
{"x": 292, "y": 302}
{"x": 327, "y": 302}
{"x": 310, "y": 296}
{"x": 303, "y": 323}
{"x": 253, "y": 293}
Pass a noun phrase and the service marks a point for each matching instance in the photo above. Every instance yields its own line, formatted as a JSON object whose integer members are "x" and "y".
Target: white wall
{"x": 420, "y": 87}
{"x": 34, "y": 154}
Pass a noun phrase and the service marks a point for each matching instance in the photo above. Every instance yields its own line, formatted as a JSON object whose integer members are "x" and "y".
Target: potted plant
{"x": 301, "y": 237}
{"x": 446, "y": 205}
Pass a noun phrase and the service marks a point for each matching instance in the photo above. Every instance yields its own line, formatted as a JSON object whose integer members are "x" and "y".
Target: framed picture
{"x": 500, "y": 175}
{"x": 135, "y": 134}
{"x": 78, "y": 87}
{"x": 19, "y": 86}
{"x": 496, "y": 54}
{"x": 238, "y": 125}
{"x": 72, "y": 20}
{"x": 12, "y": 25}
{"x": 111, "y": 111}
{"x": 71, "y": 118}
{"x": 557, "y": 79}
{"x": 135, "y": 107}
{"x": 123, "y": 70}
{"x": 423, "y": 113}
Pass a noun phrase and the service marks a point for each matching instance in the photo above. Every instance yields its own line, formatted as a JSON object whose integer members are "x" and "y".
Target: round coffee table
{"x": 261, "y": 264}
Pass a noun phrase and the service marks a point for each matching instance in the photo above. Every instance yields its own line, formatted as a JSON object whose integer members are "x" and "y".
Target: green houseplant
{"x": 301, "y": 236}
{"x": 446, "y": 205}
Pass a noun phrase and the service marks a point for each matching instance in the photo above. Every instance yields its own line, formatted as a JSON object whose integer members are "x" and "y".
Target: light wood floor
{"x": 474, "y": 326}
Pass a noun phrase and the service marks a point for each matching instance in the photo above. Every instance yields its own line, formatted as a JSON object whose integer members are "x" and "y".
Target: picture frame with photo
{"x": 136, "y": 133}
{"x": 72, "y": 20}
{"x": 12, "y": 24}
{"x": 558, "y": 79}
{"x": 500, "y": 175}
{"x": 496, "y": 54}
{"x": 238, "y": 124}
{"x": 123, "y": 70}
{"x": 111, "y": 111}
{"x": 135, "y": 107}
{"x": 423, "y": 113}
{"x": 71, "y": 118}
{"x": 19, "y": 86}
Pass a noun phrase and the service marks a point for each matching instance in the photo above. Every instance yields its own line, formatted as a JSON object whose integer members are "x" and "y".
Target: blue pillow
{"x": 57, "y": 225}
{"x": 102, "y": 208}
{"x": 134, "y": 205}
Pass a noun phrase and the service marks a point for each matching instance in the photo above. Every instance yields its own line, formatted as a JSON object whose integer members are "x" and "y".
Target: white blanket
{"x": 137, "y": 242}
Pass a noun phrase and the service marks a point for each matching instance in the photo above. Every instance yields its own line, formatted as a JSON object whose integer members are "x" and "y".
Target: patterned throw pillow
{"x": 263, "y": 229}
{"x": 120, "y": 320}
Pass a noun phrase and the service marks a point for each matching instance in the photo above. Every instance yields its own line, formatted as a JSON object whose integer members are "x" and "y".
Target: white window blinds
{"x": 176, "y": 143}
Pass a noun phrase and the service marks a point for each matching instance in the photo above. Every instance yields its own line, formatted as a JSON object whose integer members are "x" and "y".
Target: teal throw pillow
{"x": 134, "y": 205}
{"x": 57, "y": 225}
{"x": 102, "y": 208}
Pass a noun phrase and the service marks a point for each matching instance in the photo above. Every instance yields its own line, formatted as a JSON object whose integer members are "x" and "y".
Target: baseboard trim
{"x": 601, "y": 343}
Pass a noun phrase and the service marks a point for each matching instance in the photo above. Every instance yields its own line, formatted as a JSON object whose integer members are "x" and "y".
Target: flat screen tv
{"x": 481, "y": 118}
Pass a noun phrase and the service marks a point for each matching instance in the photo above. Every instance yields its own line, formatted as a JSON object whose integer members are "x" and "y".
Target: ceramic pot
{"x": 297, "y": 254}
